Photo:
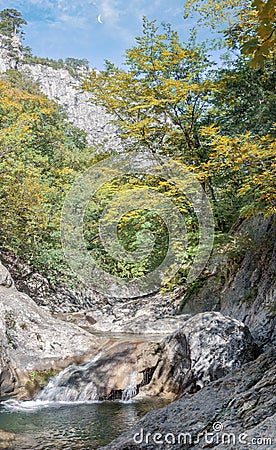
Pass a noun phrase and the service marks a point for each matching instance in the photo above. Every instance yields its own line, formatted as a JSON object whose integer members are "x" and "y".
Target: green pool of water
{"x": 72, "y": 426}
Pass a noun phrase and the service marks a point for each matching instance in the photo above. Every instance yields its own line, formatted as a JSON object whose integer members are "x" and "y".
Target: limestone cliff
{"x": 10, "y": 53}
{"x": 59, "y": 85}
{"x": 63, "y": 88}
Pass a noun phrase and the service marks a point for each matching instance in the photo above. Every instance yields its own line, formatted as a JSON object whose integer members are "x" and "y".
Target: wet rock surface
{"x": 206, "y": 348}
{"x": 93, "y": 311}
{"x": 8, "y": 377}
{"x": 111, "y": 375}
{"x": 7, "y": 440}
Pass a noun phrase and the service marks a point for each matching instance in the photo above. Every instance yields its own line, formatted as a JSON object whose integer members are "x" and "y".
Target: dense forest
{"x": 173, "y": 98}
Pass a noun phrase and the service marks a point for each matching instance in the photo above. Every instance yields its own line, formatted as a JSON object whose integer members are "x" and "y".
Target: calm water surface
{"x": 72, "y": 426}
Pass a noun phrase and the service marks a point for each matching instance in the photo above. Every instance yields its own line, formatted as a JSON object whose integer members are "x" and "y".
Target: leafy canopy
{"x": 250, "y": 25}
{"x": 40, "y": 154}
{"x": 11, "y": 22}
{"x": 162, "y": 97}
{"x": 169, "y": 96}
{"x": 219, "y": 122}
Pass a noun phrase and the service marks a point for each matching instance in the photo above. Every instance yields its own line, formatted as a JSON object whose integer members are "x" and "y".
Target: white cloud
{"x": 73, "y": 21}
{"x": 121, "y": 19}
{"x": 118, "y": 15}
{"x": 110, "y": 11}
{"x": 73, "y": 13}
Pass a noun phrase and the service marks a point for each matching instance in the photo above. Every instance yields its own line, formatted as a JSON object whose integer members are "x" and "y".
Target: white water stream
{"x": 71, "y": 386}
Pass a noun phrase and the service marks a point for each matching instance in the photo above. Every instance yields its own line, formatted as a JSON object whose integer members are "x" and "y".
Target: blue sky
{"x": 70, "y": 28}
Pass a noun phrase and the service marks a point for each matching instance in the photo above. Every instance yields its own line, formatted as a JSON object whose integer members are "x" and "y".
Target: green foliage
{"x": 11, "y": 22}
{"x": 215, "y": 13}
{"x": 161, "y": 99}
{"x": 249, "y": 25}
{"x": 245, "y": 99}
{"x": 38, "y": 380}
{"x": 261, "y": 43}
{"x": 219, "y": 122}
{"x": 42, "y": 377}
{"x": 192, "y": 290}
{"x": 235, "y": 246}
{"x": 170, "y": 98}
{"x": 131, "y": 224}
{"x": 244, "y": 169}
{"x": 33, "y": 375}
{"x": 74, "y": 66}
{"x": 41, "y": 154}
{"x": 20, "y": 81}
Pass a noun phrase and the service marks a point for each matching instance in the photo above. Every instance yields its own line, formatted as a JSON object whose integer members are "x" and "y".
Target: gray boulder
{"x": 207, "y": 347}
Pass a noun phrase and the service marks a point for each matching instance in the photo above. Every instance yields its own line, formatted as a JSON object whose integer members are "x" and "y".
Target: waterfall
{"x": 90, "y": 382}
{"x": 63, "y": 387}
{"x": 131, "y": 389}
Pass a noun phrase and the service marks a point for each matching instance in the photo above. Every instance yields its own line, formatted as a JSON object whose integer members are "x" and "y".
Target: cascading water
{"x": 131, "y": 389}
{"x": 60, "y": 389}
{"x": 64, "y": 387}
{"x": 80, "y": 384}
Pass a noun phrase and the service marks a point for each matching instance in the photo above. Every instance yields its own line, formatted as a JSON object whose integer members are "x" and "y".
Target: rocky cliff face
{"x": 10, "y": 53}
{"x": 63, "y": 88}
{"x": 240, "y": 287}
{"x": 237, "y": 411}
{"x": 32, "y": 340}
{"x": 206, "y": 347}
{"x": 242, "y": 284}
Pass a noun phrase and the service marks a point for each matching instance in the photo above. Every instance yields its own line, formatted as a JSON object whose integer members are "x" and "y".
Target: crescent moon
{"x": 99, "y": 18}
